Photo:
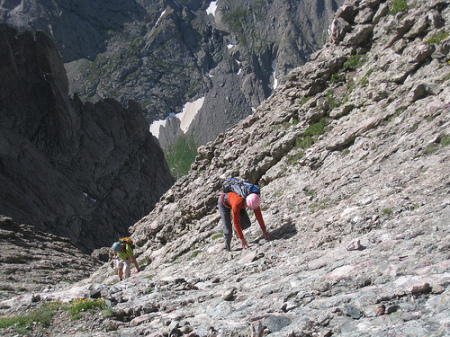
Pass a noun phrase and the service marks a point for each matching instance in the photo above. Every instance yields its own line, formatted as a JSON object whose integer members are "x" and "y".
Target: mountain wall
{"x": 164, "y": 54}
{"x": 81, "y": 171}
{"x": 352, "y": 155}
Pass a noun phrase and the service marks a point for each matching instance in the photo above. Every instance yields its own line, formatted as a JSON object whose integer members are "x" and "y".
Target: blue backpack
{"x": 239, "y": 187}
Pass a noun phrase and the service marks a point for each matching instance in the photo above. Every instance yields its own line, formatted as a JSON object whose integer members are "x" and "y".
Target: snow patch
{"x": 156, "y": 125}
{"x": 162, "y": 14}
{"x": 230, "y": 45}
{"x": 212, "y": 8}
{"x": 190, "y": 110}
{"x": 186, "y": 117}
{"x": 275, "y": 81}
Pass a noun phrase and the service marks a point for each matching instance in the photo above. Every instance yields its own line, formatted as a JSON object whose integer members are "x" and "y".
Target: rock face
{"x": 164, "y": 54}
{"x": 34, "y": 261}
{"x": 82, "y": 171}
{"x": 352, "y": 156}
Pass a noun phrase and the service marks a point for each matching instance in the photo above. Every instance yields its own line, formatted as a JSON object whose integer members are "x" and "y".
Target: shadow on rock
{"x": 286, "y": 231}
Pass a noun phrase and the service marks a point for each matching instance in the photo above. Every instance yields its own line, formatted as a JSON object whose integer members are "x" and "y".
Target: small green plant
{"x": 445, "y": 140}
{"x": 354, "y": 62}
{"x": 149, "y": 290}
{"x": 142, "y": 262}
{"x": 305, "y": 99}
{"x": 21, "y": 323}
{"x": 332, "y": 101}
{"x": 365, "y": 80}
{"x": 307, "y": 139}
{"x": 304, "y": 142}
{"x": 108, "y": 312}
{"x": 413, "y": 127}
{"x": 387, "y": 211}
{"x": 337, "y": 77}
{"x": 431, "y": 148}
{"x": 194, "y": 254}
{"x": 397, "y": 113}
{"x": 316, "y": 129}
{"x": 310, "y": 192}
{"x": 434, "y": 147}
{"x": 78, "y": 305}
{"x": 324, "y": 203}
{"x": 438, "y": 37}
{"x": 292, "y": 159}
{"x": 398, "y": 6}
{"x": 346, "y": 151}
{"x": 216, "y": 236}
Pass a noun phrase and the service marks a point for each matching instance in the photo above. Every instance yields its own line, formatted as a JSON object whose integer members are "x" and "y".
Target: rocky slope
{"x": 165, "y": 53}
{"x": 352, "y": 155}
{"x": 83, "y": 171}
{"x": 34, "y": 261}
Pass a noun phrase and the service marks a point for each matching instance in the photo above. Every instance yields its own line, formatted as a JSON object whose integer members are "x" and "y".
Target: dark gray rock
{"x": 82, "y": 171}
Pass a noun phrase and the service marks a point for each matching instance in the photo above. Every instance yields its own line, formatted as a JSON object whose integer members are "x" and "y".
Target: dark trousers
{"x": 225, "y": 214}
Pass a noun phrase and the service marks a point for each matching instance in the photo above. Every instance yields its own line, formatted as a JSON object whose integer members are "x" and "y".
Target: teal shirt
{"x": 125, "y": 254}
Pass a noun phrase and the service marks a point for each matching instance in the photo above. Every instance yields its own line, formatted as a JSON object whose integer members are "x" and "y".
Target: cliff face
{"x": 352, "y": 155}
{"x": 82, "y": 171}
{"x": 164, "y": 54}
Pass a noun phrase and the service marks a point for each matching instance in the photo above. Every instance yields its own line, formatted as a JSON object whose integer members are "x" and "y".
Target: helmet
{"x": 116, "y": 246}
{"x": 252, "y": 201}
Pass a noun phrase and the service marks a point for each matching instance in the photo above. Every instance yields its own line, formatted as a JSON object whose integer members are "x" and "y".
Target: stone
{"x": 354, "y": 245}
{"x": 420, "y": 288}
{"x": 352, "y": 311}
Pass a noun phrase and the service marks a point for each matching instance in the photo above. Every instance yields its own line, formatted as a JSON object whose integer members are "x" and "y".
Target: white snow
{"x": 230, "y": 46}
{"x": 275, "y": 81}
{"x": 162, "y": 14}
{"x": 155, "y": 127}
{"x": 186, "y": 117}
{"x": 212, "y": 8}
{"x": 190, "y": 110}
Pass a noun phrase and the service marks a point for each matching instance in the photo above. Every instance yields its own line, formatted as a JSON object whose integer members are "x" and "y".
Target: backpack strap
{"x": 225, "y": 200}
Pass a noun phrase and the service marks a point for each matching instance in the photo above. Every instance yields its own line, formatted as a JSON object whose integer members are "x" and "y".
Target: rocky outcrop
{"x": 352, "y": 156}
{"x": 82, "y": 171}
